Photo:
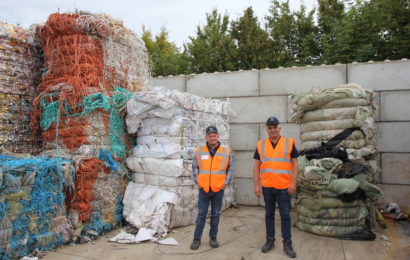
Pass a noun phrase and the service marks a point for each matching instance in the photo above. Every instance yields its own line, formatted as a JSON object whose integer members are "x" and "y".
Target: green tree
{"x": 385, "y": 29}
{"x": 212, "y": 48}
{"x": 281, "y": 28}
{"x": 367, "y": 30}
{"x": 164, "y": 56}
{"x": 252, "y": 48}
{"x": 307, "y": 49}
{"x": 293, "y": 35}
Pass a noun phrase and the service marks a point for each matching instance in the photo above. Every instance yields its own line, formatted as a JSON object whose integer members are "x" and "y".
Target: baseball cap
{"x": 211, "y": 129}
{"x": 272, "y": 121}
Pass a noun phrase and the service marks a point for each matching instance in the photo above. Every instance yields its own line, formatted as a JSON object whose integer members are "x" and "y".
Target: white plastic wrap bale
{"x": 161, "y": 172}
{"x": 323, "y": 113}
{"x": 169, "y": 147}
{"x": 171, "y": 124}
{"x": 164, "y": 167}
{"x": 161, "y": 208}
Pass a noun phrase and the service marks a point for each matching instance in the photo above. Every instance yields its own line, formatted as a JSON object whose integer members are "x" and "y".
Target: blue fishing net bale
{"x": 33, "y": 209}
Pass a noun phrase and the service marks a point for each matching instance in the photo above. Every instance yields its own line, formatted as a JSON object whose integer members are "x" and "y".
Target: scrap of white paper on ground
{"x": 168, "y": 241}
{"x": 144, "y": 234}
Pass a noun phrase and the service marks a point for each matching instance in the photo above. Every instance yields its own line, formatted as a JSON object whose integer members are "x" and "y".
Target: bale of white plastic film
{"x": 170, "y": 125}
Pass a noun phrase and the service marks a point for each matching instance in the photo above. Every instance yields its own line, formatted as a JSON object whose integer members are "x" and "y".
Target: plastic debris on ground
{"x": 92, "y": 63}
{"x": 20, "y": 65}
{"x": 32, "y": 204}
{"x": 170, "y": 125}
{"x": 338, "y": 169}
{"x": 393, "y": 211}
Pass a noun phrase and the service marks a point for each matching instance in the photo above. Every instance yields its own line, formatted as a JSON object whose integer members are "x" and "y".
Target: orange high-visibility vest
{"x": 212, "y": 171}
{"x": 276, "y": 166}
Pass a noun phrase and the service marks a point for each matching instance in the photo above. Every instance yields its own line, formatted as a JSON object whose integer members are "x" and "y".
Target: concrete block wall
{"x": 257, "y": 94}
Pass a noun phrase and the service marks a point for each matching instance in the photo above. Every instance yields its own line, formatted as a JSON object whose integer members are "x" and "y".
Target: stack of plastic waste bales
{"x": 92, "y": 62}
{"x": 19, "y": 76}
{"x": 337, "y": 169}
{"x": 32, "y": 210}
{"x": 170, "y": 125}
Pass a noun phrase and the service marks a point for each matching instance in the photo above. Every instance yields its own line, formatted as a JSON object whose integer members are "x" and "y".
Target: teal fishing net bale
{"x": 32, "y": 204}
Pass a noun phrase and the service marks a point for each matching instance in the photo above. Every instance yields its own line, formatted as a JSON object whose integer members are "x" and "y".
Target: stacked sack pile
{"x": 337, "y": 169}
{"x": 32, "y": 210}
{"x": 19, "y": 75}
{"x": 170, "y": 126}
{"x": 92, "y": 62}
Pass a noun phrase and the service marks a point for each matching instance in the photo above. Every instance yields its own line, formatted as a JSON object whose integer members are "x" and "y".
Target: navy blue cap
{"x": 272, "y": 121}
{"x": 211, "y": 129}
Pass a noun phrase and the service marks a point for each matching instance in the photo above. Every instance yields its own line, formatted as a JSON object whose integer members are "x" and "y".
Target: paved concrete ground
{"x": 241, "y": 235}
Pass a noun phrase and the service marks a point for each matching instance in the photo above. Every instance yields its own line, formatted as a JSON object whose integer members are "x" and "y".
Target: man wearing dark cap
{"x": 212, "y": 170}
{"x": 275, "y": 174}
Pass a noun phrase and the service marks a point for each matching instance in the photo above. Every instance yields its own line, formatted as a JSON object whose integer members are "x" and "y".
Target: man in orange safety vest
{"x": 275, "y": 175}
{"x": 212, "y": 170}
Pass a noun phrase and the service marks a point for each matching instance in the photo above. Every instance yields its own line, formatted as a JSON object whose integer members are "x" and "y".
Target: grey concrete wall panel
{"x": 244, "y": 136}
{"x": 392, "y": 75}
{"x": 393, "y": 137}
{"x": 171, "y": 82}
{"x": 395, "y": 105}
{"x": 244, "y": 192}
{"x": 224, "y": 84}
{"x": 258, "y": 109}
{"x": 399, "y": 194}
{"x": 396, "y": 168}
{"x": 301, "y": 79}
{"x": 243, "y": 164}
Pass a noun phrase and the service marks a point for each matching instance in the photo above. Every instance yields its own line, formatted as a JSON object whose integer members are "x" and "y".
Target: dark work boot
{"x": 287, "y": 247}
{"x": 195, "y": 244}
{"x": 268, "y": 246}
{"x": 213, "y": 242}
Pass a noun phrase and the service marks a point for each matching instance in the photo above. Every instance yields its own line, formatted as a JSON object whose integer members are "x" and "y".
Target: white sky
{"x": 180, "y": 17}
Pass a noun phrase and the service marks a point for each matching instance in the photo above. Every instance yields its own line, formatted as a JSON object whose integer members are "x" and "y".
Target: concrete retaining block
{"x": 396, "y": 193}
{"x": 224, "y": 84}
{"x": 244, "y": 136}
{"x": 393, "y": 137}
{"x": 395, "y": 105}
{"x": 244, "y": 192}
{"x": 392, "y": 75}
{"x": 258, "y": 109}
{"x": 396, "y": 168}
{"x": 243, "y": 164}
{"x": 171, "y": 82}
{"x": 300, "y": 79}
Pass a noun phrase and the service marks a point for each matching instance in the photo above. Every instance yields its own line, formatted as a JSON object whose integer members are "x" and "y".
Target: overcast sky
{"x": 180, "y": 17}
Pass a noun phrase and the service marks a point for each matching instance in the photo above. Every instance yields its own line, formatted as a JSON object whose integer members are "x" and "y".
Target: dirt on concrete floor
{"x": 241, "y": 235}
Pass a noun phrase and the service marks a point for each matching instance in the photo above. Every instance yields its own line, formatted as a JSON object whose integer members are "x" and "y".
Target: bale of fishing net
{"x": 95, "y": 203}
{"x": 20, "y": 65}
{"x": 91, "y": 53}
{"x": 95, "y": 122}
{"x": 32, "y": 209}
